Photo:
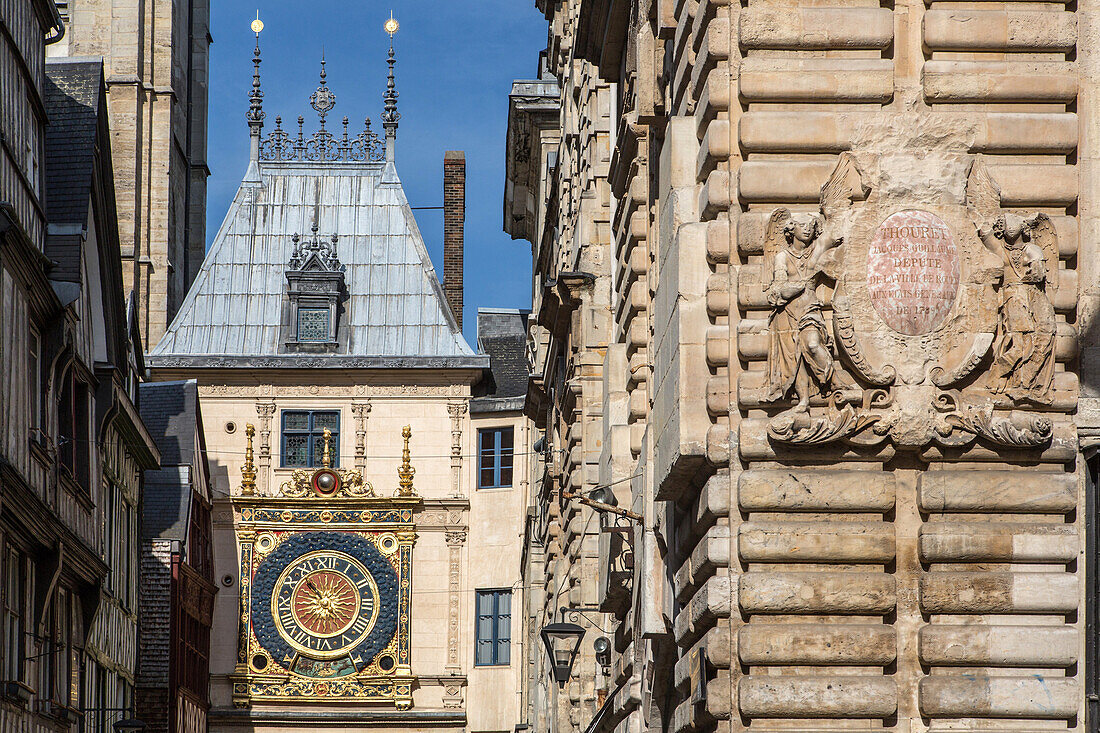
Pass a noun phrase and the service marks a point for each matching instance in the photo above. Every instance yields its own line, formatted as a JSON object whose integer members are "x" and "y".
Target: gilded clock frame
{"x": 388, "y": 523}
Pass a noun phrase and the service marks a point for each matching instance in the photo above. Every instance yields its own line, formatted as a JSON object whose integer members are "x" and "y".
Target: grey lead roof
{"x": 396, "y": 313}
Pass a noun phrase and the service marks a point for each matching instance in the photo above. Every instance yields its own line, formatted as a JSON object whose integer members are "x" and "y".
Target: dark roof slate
{"x": 170, "y": 413}
{"x": 166, "y": 503}
{"x": 503, "y": 336}
{"x": 73, "y": 92}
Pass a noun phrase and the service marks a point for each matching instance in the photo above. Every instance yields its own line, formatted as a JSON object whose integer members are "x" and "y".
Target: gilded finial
{"x": 405, "y": 473}
{"x": 326, "y": 456}
{"x": 256, "y": 96}
{"x": 248, "y": 470}
{"x": 390, "y": 115}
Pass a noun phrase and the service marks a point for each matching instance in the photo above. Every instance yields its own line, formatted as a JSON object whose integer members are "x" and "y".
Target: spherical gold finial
{"x": 257, "y": 25}
{"x": 391, "y": 26}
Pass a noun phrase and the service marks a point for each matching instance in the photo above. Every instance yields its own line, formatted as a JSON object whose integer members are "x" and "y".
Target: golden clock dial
{"x": 326, "y": 602}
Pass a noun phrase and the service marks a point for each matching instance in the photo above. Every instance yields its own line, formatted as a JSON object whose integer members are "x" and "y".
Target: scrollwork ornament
{"x": 1017, "y": 430}
{"x": 841, "y": 421}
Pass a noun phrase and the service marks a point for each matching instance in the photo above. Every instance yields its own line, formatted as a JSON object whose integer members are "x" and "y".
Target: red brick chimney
{"x": 454, "y": 223}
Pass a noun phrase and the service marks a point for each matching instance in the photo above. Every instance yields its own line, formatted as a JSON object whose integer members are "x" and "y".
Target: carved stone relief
{"x": 456, "y": 411}
{"x": 455, "y": 540}
{"x": 360, "y": 411}
{"x": 265, "y": 411}
{"x": 320, "y": 390}
{"x": 940, "y": 315}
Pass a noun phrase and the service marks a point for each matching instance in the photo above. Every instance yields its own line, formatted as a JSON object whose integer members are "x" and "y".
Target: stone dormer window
{"x": 314, "y": 288}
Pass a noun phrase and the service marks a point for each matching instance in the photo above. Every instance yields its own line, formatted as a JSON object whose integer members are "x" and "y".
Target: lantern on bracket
{"x": 562, "y": 641}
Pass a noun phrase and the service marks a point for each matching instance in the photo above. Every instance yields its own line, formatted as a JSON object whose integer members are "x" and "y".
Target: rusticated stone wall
{"x": 848, "y": 377}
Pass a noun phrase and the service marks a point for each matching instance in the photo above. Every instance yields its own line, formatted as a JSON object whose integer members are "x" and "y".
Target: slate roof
{"x": 73, "y": 88}
{"x": 170, "y": 413}
{"x": 395, "y": 313}
{"x": 502, "y": 335}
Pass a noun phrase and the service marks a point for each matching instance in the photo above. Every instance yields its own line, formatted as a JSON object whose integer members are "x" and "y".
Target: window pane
{"x": 330, "y": 420}
{"x": 313, "y": 324}
{"x": 506, "y": 440}
{"x": 295, "y": 421}
{"x": 296, "y": 450}
{"x": 487, "y": 478}
{"x": 484, "y": 651}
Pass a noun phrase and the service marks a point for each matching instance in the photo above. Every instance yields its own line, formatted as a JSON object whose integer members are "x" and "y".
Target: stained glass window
{"x": 304, "y": 437}
{"x": 313, "y": 324}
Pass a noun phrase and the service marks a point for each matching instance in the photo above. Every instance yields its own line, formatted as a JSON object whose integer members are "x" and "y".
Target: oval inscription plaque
{"x": 913, "y": 271}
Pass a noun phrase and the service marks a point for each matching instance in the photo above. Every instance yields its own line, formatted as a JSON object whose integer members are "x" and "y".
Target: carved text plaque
{"x": 913, "y": 271}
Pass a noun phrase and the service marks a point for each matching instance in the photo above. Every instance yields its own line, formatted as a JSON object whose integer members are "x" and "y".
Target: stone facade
{"x": 814, "y": 289}
{"x": 336, "y": 393}
{"x": 156, "y": 58}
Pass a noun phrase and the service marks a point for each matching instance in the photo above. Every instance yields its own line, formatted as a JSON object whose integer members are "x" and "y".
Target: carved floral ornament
{"x": 327, "y": 482}
{"x": 942, "y": 316}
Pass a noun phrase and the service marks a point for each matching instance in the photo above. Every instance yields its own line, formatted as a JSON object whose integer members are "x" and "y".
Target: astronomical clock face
{"x": 325, "y": 588}
{"x": 325, "y": 604}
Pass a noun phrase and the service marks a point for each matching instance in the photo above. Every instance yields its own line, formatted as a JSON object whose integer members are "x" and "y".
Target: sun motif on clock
{"x": 326, "y": 603}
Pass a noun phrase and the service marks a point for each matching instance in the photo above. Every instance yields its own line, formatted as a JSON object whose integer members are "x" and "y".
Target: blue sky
{"x": 455, "y": 64}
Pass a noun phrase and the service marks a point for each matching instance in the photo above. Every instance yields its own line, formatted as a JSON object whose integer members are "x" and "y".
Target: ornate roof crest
{"x": 322, "y": 100}
{"x": 316, "y": 252}
{"x": 322, "y": 146}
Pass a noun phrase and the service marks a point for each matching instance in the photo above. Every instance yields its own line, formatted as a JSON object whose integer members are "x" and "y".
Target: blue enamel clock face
{"x": 324, "y": 603}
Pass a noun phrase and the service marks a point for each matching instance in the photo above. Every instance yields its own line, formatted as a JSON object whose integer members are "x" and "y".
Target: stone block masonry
{"x": 849, "y": 258}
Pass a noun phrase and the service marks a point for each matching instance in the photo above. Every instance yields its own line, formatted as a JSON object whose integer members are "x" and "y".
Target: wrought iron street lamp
{"x": 129, "y": 725}
{"x": 562, "y": 641}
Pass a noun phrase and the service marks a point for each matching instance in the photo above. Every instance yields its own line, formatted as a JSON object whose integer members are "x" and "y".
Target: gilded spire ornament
{"x": 248, "y": 470}
{"x": 256, "y": 96}
{"x": 406, "y": 471}
{"x": 326, "y": 456}
{"x": 390, "y": 115}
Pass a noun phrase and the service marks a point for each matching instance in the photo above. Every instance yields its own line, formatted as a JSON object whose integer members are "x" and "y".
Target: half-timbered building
{"x": 73, "y": 446}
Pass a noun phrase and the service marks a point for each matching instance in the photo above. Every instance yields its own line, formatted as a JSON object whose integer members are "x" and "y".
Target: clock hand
{"x": 312, "y": 587}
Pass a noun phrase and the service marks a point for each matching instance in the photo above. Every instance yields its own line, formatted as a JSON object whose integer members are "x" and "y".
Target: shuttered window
{"x": 494, "y": 627}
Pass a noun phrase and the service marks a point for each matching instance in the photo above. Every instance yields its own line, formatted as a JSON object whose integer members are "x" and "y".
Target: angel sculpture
{"x": 799, "y": 347}
{"x": 1023, "y": 351}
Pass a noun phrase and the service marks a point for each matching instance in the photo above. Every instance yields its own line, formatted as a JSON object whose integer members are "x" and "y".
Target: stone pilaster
{"x": 264, "y": 411}
{"x": 456, "y": 410}
{"x": 360, "y": 411}
{"x": 455, "y": 540}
